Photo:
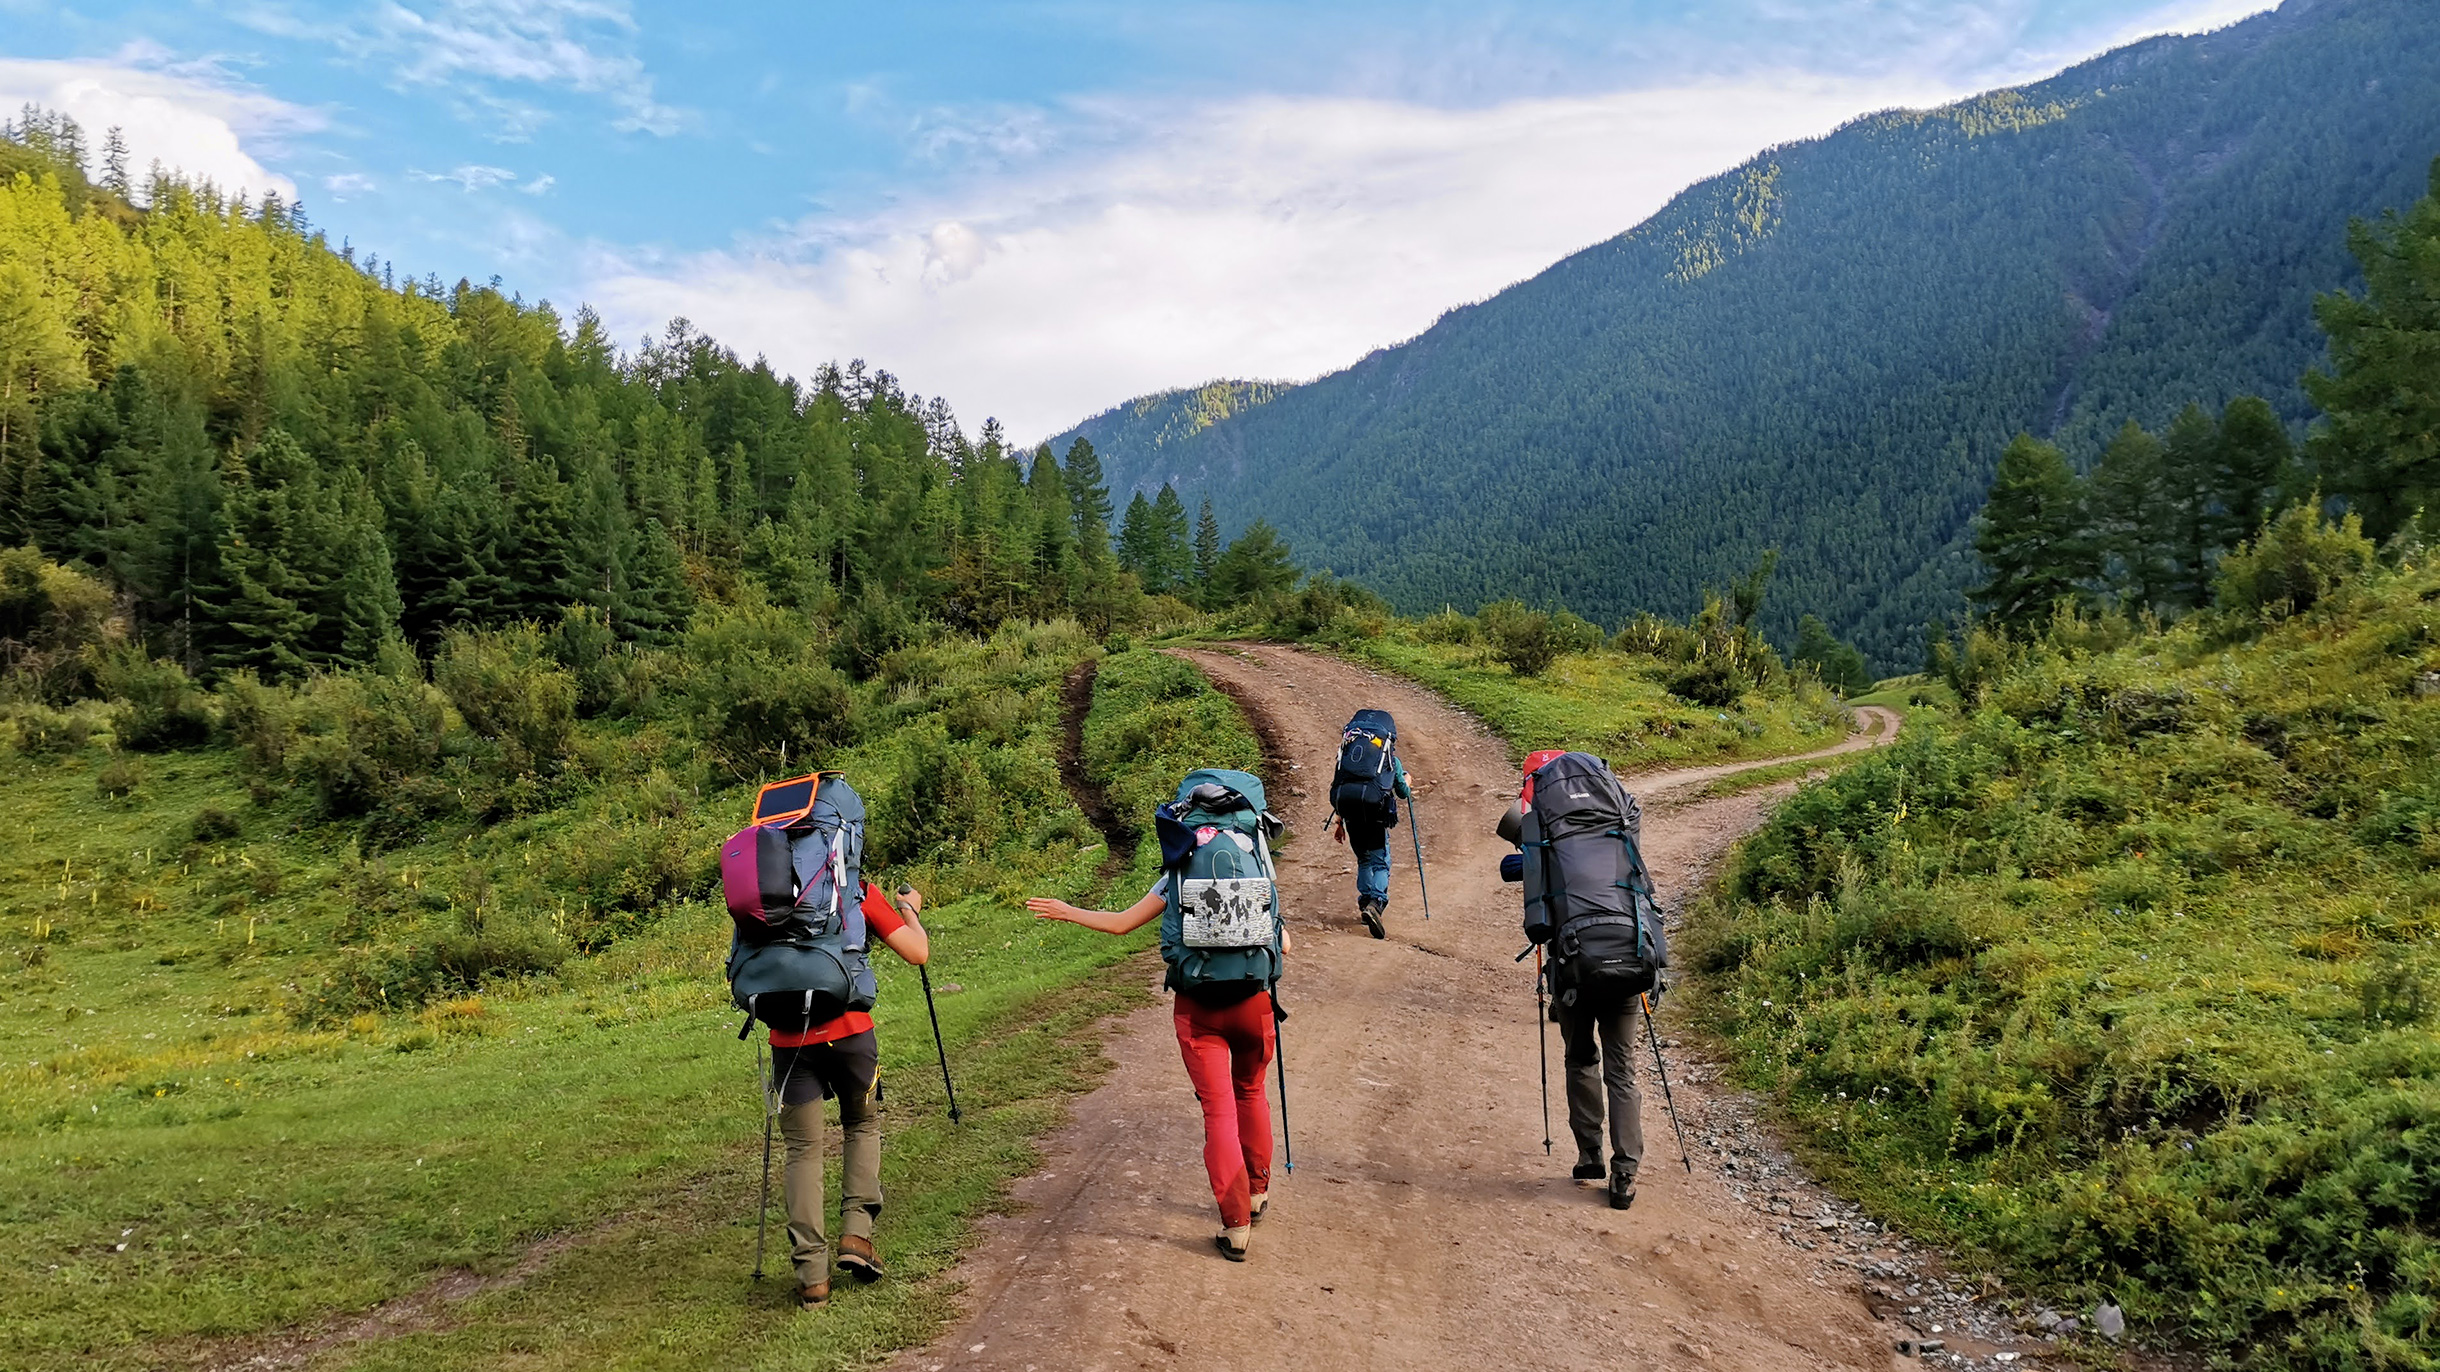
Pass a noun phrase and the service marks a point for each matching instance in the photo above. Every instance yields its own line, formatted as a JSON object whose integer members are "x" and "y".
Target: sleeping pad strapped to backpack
{"x": 1587, "y": 893}
{"x": 1220, "y": 930}
{"x": 794, "y": 887}
{"x": 1365, "y": 784}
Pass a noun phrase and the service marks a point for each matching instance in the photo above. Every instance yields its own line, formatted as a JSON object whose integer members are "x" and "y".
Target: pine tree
{"x": 1207, "y": 547}
{"x": 1256, "y": 565}
{"x": 1136, "y": 543}
{"x": 2257, "y": 467}
{"x": 1171, "y": 556}
{"x": 2130, "y": 544}
{"x": 1090, "y": 495}
{"x": 2188, "y": 510}
{"x": 2380, "y": 446}
{"x": 114, "y": 163}
{"x": 2032, "y": 537}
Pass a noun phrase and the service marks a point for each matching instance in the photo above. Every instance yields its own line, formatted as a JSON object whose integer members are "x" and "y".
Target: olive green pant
{"x": 1600, "y": 1058}
{"x": 859, "y": 1170}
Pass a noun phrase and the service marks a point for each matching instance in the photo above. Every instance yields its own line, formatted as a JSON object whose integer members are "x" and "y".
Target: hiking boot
{"x": 857, "y": 1256}
{"x": 1232, "y": 1243}
{"x": 1370, "y": 912}
{"x": 1622, "y": 1190}
{"x": 807, "y": 1297}
{"x": 1262, "y": 1206}
{"x": 1590, "y": 1171}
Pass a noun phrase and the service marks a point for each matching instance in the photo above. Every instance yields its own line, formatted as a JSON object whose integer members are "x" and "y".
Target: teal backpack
{"x": 1220, "y": 931}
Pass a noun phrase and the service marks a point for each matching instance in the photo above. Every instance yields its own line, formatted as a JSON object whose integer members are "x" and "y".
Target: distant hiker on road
{"x": 797, "y": 964}
{"x": 1364, "y": 795}
{"x": 1588, "y": 899}
{"x": 1222, "y": 936}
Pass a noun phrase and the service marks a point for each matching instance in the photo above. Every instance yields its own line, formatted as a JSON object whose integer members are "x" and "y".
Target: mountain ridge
{"x": 1826, "y": 348}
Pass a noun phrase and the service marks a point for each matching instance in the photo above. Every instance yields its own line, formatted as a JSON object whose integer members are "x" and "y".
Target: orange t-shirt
{"x": 881, "y": 919}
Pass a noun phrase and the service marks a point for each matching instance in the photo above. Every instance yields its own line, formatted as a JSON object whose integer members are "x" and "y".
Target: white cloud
{"x": 1268, "y": 237}
{"x": 191, "y": 117}
{"x": 471, "y": 46}
{"x": 469, "y": 178}
{"x": 540, "y": 185}
{"x": 347, "y": 185}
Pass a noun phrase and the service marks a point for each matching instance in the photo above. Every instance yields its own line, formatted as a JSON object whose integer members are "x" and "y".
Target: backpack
{"x": 794, "y": 887}
{"x": 1587, "y": 892}
{"x": 1220, "y": 930}
{"x": 1365, "y": 784}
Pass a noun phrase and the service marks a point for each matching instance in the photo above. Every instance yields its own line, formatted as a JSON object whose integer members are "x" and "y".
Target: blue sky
{"x": 1035, "y": 209}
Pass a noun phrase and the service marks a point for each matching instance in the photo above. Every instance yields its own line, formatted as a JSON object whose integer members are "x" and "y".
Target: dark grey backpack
{"x": 1587, "y": 892}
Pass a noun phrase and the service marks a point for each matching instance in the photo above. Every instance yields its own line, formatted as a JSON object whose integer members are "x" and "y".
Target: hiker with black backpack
{"x": 1365, "y": 789}
{"x": 1589, "y": 904}
{"x": 803, "y": 914}
{"x": 1224, "y": 942}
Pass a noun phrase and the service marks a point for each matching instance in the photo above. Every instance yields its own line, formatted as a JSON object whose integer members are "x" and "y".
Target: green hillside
{"x": 1827, "y": 349}
{"x": 2124, "y": 971}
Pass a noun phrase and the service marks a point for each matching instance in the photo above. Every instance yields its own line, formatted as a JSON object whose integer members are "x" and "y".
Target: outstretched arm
{"x": 1125, "y": 921}
{"x": 909, "y": 942}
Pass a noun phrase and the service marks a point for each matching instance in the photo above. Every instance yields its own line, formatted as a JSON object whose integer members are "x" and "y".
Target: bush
{"x": 160, "y": 705}
{"x": 212, "y": 824}
{"x": 1447, "y": 626}
{"x": 512, "y": 693}
{"x": 40, "y": 731}
{"x": 1526, "y": 640}
{"x": 119, "y": 778}
{"x": 1708, "y": 682}
{"x": 762, "y": 691}
{"x": 51, "y": 617}
{"x": 2299, "y": 560}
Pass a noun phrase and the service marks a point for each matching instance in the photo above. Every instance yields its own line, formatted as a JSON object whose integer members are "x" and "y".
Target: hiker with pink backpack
{"x": 802, "y": 916}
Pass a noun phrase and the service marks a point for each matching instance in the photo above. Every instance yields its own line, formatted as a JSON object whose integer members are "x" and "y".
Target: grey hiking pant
{"x": 848, "y": 1071}
{"x": 1600, "y": 1064}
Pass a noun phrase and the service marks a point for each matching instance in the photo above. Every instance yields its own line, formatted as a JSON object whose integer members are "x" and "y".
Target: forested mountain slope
{"x": 1828, "y": 348}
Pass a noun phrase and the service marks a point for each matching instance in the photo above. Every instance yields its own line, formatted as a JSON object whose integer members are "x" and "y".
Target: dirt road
{"x": 1423, "y": 1226}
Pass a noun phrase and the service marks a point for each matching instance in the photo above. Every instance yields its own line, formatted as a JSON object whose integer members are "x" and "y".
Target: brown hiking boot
{"x": 807, "y": 1297}
{"x": 1369, "y": 910}
{"x": 857, "y": 1256}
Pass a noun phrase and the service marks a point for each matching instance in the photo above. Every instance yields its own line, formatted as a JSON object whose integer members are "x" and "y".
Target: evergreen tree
{"x": 2130, "y": 541}
{"x": 2257, "y": 468}
{"x": 2032, "y": 537}
{"x": 1137, "y": 550}
{"x": 1207, "y": 547}
{"x": 2380, "y": 444}
{"x": 1256, "y": 565}
{"x": 114, "y": 163}
{"x": 1170, "y": 554}
{"x": 1090, "y": 493}
{"x": 1841, "y": 666}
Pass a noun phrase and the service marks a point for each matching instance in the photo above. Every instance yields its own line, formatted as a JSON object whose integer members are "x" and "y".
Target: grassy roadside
{"x": 187, "y": 1160}
{"x": 2123, "y": 976}
{"x": 1608, "y": 703}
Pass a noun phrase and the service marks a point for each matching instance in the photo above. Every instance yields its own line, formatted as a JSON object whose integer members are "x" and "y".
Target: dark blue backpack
{"x": 1365, "y": 784}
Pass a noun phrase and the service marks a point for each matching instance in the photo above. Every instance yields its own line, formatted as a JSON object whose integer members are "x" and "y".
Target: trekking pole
{"x": 1415, "y": 832}
{"x": 1655, "y": 1036}
{"x": 762, "y": 1215}
{"x": 1541, "y": 1023}
{"x": 937, "y": 1042}
{"x": 1279, "y": 1057}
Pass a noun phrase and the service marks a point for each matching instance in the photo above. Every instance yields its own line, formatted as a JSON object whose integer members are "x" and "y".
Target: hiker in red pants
{"x": 1223, "y": 941}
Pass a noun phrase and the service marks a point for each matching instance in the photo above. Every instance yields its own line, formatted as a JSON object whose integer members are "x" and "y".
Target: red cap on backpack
{"x": 1534, "y": 762}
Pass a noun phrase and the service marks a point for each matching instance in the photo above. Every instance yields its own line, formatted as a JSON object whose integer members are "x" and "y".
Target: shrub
{"x": 760, "y": 688}
{"x": 160, "y": 705}
{"x": 50, "y": 618}
{"x": 1708, "y": 682}
{"x": 2299, "y": 560}
{"x": 119, "y": 778}
{"x": 512, "y": 693}
{"x": 1447, "y": 626}
{"x": 1526, "y": 640}
{"x": 40, "y": 731}
{"x": 211, "y": 824}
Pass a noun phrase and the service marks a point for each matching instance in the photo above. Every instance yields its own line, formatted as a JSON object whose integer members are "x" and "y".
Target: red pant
{"x": 1226, "y": 1053}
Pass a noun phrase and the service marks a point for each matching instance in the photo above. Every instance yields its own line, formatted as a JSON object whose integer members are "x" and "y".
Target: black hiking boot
{"x": 1622, "y": 1190}
{"x": 1590, "y": 1171}
{"x": 1369, "y": 910}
